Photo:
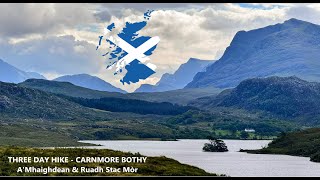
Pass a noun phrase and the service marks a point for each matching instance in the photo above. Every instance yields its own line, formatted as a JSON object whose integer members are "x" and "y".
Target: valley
{"x": 116, "y": 118}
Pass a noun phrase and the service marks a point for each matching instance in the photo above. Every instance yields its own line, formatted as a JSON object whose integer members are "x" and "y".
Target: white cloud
{"x": 306, "y": 12}
{"x": 53, "y": 54}
{"x": 79, "y": 49}
{"x": 22, "y": 19}
{"x": 51, "y": 75}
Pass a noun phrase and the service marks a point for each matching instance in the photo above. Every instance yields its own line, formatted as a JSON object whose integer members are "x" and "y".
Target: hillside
{"x": 90, "y": 82}
{"x": 301, "y": 143}
{"x": 180, "y": 78}
{"x": 282, "y": 97}
{"x": 21, "y": 102}
{"x": 286, "y": 49}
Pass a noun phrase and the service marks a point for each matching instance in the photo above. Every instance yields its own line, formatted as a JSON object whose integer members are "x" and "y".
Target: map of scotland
{"x": 130, "y": 51}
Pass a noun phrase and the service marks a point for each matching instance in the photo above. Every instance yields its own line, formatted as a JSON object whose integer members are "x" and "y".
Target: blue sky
{"x": 60, "y": 39}
{"x": 260, "y": 6}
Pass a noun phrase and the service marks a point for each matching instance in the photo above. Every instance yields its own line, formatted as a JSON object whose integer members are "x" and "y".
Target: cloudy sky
{"x": 60, "y": 39}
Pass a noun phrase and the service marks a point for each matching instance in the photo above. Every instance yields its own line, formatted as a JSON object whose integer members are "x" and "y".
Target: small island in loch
{"x": 215, "y": 145}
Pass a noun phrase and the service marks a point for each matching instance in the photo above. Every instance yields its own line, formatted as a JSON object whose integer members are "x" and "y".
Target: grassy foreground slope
{"x": 26, "y": 135}
{"x": 301, "y": 143}
{"x": 154, "y": 166}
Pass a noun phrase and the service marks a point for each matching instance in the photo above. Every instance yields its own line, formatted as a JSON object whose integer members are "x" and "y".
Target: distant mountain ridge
{"x": 11, "y": 74}
{"x": 179, "y": 79}
{"x": 287, "y": 49}
{"x": 88, "y": 81}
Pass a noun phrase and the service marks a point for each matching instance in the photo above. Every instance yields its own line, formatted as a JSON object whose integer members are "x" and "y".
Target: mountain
{"x": 91, "y": 82}
{"x": 287, "y": 49}
{"x": 179, "y": 79}
{"x": 11, "y": 74}
{"x": 282, "y": 97}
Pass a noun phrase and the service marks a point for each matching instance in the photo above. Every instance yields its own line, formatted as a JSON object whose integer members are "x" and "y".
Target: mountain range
{"x": 287, "y": 49}
{"x": 11, "y": 74}
{"x": 179, "y": 79}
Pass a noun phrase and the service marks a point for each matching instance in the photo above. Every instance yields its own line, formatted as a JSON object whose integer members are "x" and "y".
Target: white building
{"x": 249, "y": 130}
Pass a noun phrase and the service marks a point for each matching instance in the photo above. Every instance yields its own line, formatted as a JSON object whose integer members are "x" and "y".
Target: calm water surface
{"x": 231, "y": 163}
